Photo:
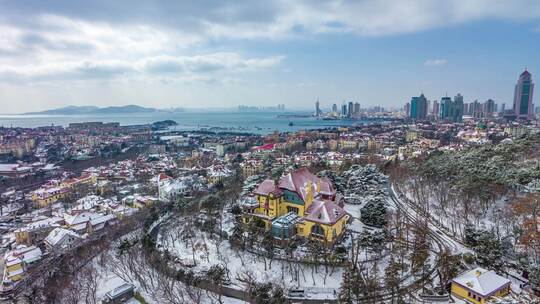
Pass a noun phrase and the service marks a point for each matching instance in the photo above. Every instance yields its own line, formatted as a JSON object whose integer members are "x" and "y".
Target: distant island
{"x": 82, "y": 110}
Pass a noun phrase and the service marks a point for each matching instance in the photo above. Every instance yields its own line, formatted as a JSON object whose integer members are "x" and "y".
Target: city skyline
{"x": 229, "y": 53}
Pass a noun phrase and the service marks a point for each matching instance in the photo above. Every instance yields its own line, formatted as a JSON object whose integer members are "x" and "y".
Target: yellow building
{"x": 16, "y": 261}
{"x": 348, "y": 144}
{"x": 300, "y": 204}
{"x": 478, "y": 285}
{"x": 48, "y": 195}
{"x": 44, "y": 197}
{"x": 251, "y": 167}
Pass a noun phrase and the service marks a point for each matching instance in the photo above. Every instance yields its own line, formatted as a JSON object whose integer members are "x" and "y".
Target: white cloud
{"x": 435, "y": 62}
{"x": 182, "y": 67}
{"x": 66, "y": 49}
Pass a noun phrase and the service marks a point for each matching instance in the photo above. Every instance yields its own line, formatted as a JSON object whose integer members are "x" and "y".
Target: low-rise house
{"x": 89, "y": 222}
{"x": 37, "y": 230}
{"x": 16, "y": 263}
{"x": 120, "y": 294}
{"x": 61, "y": 239}
{"x": 479, "y": 285}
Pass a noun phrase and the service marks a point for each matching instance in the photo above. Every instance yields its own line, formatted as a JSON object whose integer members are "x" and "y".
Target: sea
{"x": 259, "y": 122}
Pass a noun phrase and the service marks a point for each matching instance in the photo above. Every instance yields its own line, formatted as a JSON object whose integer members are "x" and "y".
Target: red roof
{"x": 266, "y": 147}
{"x": 163, "y": 176}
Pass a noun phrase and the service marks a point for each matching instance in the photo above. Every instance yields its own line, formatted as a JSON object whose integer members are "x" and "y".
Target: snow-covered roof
{"x": 26, "y": 254}
{"x": 302, "y": 178}
{"x": 324, "y": 212}
{"x": 481, "y": 281}
{"x": 120, "y": 290}
{"x": 266, "y": 187}
{"x": 58, "y": 234}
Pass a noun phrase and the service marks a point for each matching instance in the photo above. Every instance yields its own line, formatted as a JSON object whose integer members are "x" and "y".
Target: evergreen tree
{"x": 374, "y": 213}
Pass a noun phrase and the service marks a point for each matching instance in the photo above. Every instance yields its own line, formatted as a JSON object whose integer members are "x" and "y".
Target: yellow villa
{"x": 15, "y": 264}
{"x": 479, "y": 285}
{"x": 55, "y": 190}
{"x": 300, "y": 204}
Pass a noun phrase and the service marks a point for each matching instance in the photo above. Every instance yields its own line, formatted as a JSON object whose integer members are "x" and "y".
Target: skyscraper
{"x": 489, "y": 108}
{"x": 446, "y": 104}
{"x": 523, "y": 96}
{"x": 435, "y": 108}
{"x": 452, "y": 110}
{"x": 456, "y": 113}
{"x": 418, "y": 107}
{"x": 475, "y": 109}
{"x": 317, "y": 108}
{"x": 350, "y": 109}
{"x": 334, "y": 108}
{"x": 356, "y": 108}
{"x": 344, "y": 110}
{"x": 407, "y": 109}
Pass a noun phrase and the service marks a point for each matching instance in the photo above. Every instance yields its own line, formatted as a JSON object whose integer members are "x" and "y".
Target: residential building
{"x": 16, "y": 263}
{"x": 299, "y": 204}
{"x": 61, "y": 239}
{"x": 37, "y": 230}
{"x": 479, "y": 285}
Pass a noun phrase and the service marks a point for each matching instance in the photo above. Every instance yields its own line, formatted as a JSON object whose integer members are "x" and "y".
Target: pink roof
{"x": 265, "y": 147}
{"x": 266, "y": 187}
{"x": 324, "y": 212}
{"x": 298, "y": 180}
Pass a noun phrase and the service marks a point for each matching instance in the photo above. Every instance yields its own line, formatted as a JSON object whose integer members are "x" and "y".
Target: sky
{"x": 217, "y": 53}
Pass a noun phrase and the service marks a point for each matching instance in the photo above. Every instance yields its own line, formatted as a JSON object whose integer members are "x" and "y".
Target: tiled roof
{"x": 324, "y": 212}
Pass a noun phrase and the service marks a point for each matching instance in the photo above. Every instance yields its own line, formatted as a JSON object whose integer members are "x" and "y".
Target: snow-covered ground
{"x": 207, "y": 251}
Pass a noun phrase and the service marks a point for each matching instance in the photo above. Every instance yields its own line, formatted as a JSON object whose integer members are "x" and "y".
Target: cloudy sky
{"x": 219, "y": 53}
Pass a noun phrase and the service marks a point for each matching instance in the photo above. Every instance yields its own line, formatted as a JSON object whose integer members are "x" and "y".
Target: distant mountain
{"x": 78, "y": 110}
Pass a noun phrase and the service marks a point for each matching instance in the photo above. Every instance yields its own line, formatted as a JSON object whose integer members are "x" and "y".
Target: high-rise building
{"x": 523, "y": 96}
{"x": 435, "y": 108}
{"x": 456, "y": 113}
{"x": 475, "y": 109}
{"x": 317, "y": 108}
{"x": 489, "y": 108}
{"x": 418, "y": 107}
{"x": 446, "y": 104}
{"x": 407, "y": 109}
{"x": 465, "y": 108}
{"x": 344, "y": 110}
{"x": 350, "y": 109}
{"x": 503, "y": 107}
{"x": 356, "y": 108}
{"x": 452, "y": 110}
{"x": 334, "y": 108}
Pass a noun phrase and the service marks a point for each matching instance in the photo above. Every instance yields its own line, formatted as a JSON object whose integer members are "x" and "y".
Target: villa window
{"x": 292, "y": 209}
{"x": 317, "y": 230}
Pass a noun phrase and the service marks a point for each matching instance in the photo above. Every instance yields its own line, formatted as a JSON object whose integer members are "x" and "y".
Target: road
{"x": 442, "y": 238}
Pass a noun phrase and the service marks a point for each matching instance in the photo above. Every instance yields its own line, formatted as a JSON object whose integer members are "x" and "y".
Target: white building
{"x": 61, "y": 239}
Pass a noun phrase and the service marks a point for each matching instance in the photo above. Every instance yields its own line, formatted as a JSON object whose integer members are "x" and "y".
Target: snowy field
{"x": 318, "y": 281}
